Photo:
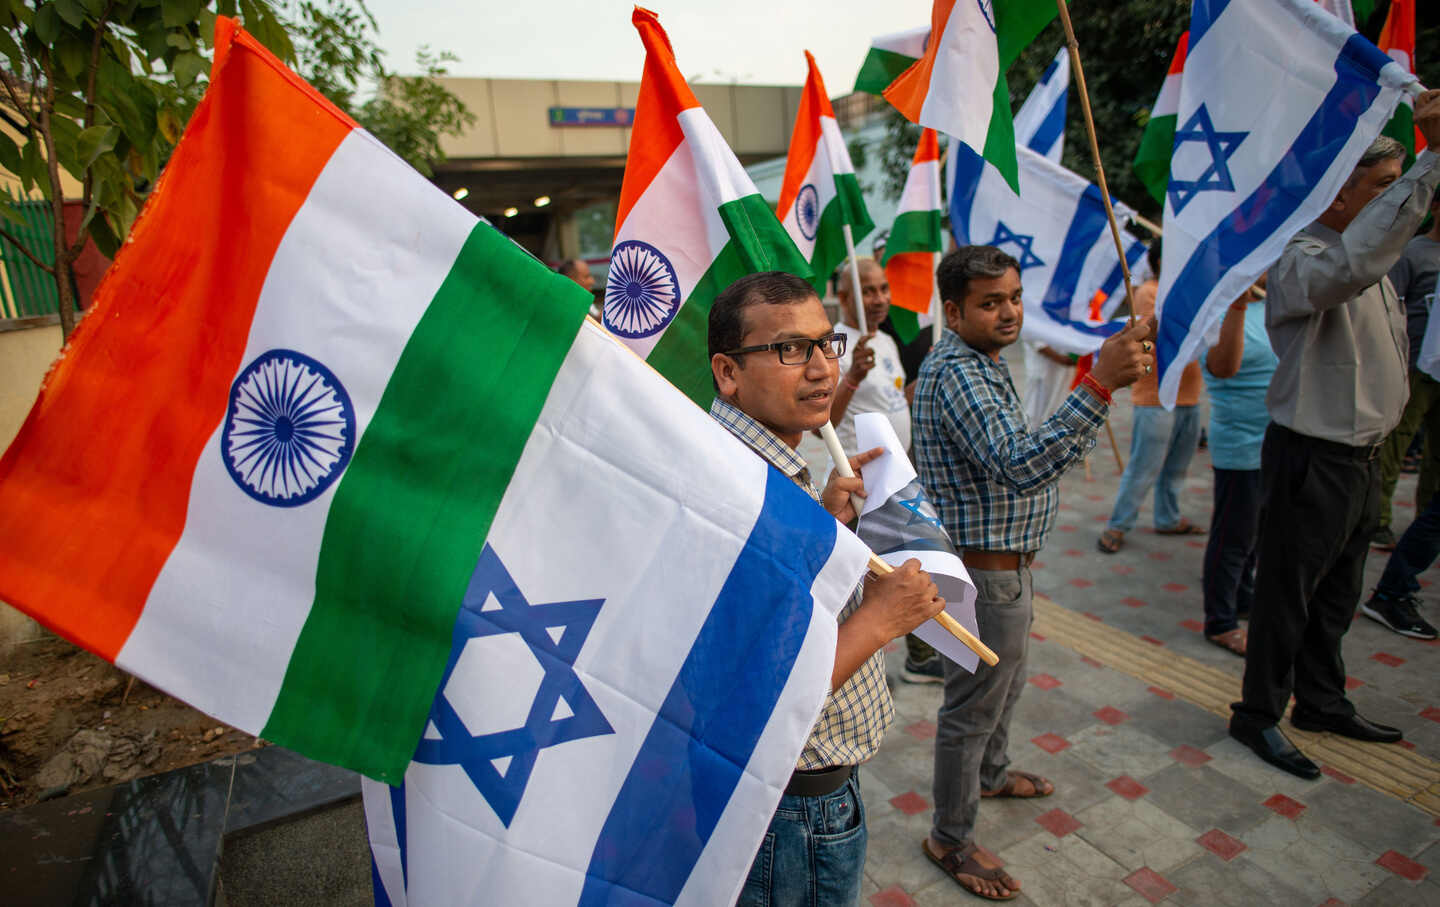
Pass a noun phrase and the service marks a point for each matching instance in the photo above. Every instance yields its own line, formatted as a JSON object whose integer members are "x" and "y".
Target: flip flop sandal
{"x": 961, "y": 862}
{"x": 1184, "y": 527}
{"x": 1110, "y": 541}
{"x": 1231, "y": 641}
{"x": 1037, "y": 784}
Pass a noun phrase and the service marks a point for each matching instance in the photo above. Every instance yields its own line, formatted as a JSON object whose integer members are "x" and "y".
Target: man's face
{"x": 1364, "y": 186}
{"x": 874, "y": 293}
{"x": 988, "y": 318}
{"x": 788, "y": 399}
{"x": 584, "y": 277}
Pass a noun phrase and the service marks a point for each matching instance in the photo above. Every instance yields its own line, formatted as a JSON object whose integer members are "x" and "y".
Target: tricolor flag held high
{"x": 690, "y": 223}
{"x": 1397, "y": 40}
{"x": 915, "y": 241}
{"x": 1152, "y": 160}
{"x": 1040, "y": 122}
{"x": 889, "y": 56}
{"x": 1057, "y": 230}
{"x": 819, "y": 196}
{"x": 313, "y": 450}
{"x": 958, "y": 86}
{"x": 1262, "y": 146}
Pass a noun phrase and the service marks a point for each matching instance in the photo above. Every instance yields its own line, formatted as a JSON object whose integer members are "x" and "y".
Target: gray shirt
{"x": 1336, "y": 323}
{"x": 1414, "y": 280}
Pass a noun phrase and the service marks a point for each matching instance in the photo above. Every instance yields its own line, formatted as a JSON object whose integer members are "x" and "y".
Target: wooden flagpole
{"x": 1095, "y": 150}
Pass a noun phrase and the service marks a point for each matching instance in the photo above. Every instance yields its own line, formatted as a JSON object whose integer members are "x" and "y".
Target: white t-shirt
{"x": 882, "y": 391}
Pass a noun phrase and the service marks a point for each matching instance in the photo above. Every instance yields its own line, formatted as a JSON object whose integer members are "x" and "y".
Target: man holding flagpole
{"x": 773, "y": 358}
{"x": 1338, "y": 330}
{"x": 995, "y": 484}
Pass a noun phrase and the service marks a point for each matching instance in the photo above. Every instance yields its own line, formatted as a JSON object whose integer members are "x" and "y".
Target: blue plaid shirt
{"x": 994, "y": 482}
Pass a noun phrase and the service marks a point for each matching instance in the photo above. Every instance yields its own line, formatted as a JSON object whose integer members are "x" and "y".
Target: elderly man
{"x": 1338, "y": 330}
{"x": 995, "y": 483}
{"x": 773, "y": 359}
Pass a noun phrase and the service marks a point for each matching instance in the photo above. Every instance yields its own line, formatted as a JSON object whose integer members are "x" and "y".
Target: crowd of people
{"x": 1319, "y": 378}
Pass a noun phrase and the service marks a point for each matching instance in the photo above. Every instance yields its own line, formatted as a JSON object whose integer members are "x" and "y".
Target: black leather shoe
{"x": 1352, "y": 726}
{"x": 1272, "y": 746}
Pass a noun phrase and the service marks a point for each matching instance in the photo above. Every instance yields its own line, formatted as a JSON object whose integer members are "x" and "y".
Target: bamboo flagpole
{"x": 856, "y": 294}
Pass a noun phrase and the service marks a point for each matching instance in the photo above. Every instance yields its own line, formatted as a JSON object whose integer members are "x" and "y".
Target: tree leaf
{"x": 94, "y": 7}
{"x": 188, "y": 67}
{"x": 93, "y": 142}
{"x": 73, "y": 54}
{"x": 178, "y": 13}
{"x": 66, "y": 133}
{"x": 170, "y": 125}
{"x": 105, "y": 239}
{"x": 71, "y": 11}
{"x": 47, "y": 24}
{"x": 9, "y": 154}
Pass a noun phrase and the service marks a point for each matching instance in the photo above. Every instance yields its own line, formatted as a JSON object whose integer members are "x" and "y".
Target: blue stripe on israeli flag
{"x": 1040, "y": 122}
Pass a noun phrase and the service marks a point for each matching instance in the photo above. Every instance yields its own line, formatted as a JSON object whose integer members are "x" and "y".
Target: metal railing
{"x": 26, "y": 291}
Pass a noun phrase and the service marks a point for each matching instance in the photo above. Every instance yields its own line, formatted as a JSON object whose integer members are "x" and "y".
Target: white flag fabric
{"x": 1057, "y": 230}
{"x": 1262, "y": 146}
{"x": 641, "y": 653}
{"x": 1040, "y": 122}
{"x": 899, "y": 522}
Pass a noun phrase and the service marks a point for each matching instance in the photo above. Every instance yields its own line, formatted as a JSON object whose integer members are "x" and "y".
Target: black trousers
{"x": 1320, "y": 503}
{"x": 1229, "y": 578}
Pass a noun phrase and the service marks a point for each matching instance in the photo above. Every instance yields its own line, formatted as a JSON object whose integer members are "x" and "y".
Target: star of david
{"x": 500, "y": 763}
{"x": 923, "y": 512}
{"x": 1216, "y": 175}
{"x": 1004, "y": 234}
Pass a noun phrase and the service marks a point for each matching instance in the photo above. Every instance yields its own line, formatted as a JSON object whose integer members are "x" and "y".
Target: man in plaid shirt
{"x": 774, "y": 358}
{"x": 995, "y": 484}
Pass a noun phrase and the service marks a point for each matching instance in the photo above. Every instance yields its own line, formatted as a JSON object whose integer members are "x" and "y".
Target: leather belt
{"x": 975, "y": 559}
{"x": 818, "y": 783}
{"x": 1363, "y": 453}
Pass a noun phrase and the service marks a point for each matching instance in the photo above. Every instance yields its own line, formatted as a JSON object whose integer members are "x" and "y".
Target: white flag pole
{"x": 856, "y": 295}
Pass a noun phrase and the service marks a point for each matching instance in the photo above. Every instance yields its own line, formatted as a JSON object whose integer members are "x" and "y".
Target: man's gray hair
{"x": 1383, "y": 148}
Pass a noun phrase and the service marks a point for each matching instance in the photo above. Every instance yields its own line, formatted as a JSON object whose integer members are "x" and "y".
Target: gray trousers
{"x": 973, "y": 737}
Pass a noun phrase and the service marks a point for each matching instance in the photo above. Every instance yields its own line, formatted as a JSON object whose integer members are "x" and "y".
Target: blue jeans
{"x": 1413, "y": 554}
{"x": 1160, "y": 450}
{"x": 813, "y": 853}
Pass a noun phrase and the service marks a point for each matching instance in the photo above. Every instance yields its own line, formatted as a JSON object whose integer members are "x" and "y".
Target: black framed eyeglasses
{"x": 797, "y": 351}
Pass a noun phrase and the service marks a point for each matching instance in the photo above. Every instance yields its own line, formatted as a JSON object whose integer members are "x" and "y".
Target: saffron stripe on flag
{"x": 698, "y": 748}
{"x": 171, "y": 330}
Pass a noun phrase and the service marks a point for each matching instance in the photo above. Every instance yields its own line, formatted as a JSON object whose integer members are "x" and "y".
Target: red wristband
{"x": 853, "y": 385}
{"x": 1099, "y": 389}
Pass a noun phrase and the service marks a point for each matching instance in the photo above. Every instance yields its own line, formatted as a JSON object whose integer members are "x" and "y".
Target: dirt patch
{"x": 67, "y": 725}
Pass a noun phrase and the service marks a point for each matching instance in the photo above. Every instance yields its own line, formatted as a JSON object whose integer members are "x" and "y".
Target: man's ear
{"x": 724, "y": 368}
{"x": 954, "y": 314}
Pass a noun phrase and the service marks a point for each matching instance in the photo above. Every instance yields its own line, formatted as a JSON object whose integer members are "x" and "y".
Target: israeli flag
{"x": 1057, "y": 230}
{"x": 1040, "y": 122}
{"x": 1263, "y": 143}
{"x": 644, "y": 646}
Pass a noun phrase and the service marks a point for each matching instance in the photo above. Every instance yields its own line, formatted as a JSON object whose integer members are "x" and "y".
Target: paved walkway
{"x": 1154, "y": 802}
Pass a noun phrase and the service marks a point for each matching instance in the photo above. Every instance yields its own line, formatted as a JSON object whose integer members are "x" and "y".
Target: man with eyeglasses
{"x": 773, "y": 358}
{"x": 996, "y": 485}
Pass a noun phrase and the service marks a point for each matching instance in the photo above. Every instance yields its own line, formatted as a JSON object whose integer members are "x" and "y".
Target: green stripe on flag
{"x": 1401, "y": 128}
{"x": 881, "y": 67}
{"x": 757, "y": 243}
{"x": 905, "y": 322}
{"x": 1152, "y": 160}
{"x": 847, "y": 207}
{"x": 1017, "y": 24}
{"x": 915, "y": 231}
{"x": 852, "y": 205}
{"x": 411, "y": 514}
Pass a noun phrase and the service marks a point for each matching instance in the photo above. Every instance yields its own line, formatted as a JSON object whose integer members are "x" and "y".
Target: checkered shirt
{"x": 855, "y": 716}
{"x": 995, "y": 483}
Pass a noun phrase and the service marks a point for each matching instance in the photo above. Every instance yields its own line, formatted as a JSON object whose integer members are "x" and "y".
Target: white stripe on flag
{"x": 212, "y": 625}
{"x": 962, "y": 82}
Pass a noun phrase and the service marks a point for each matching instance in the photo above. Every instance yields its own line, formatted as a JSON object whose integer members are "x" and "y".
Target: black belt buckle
{"x": 1374, "y": 451}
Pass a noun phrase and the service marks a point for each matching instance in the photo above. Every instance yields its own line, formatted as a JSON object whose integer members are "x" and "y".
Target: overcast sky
{"x": 749, "y": 41}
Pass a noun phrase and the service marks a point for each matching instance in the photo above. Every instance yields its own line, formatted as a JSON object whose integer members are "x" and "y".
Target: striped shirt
{"x": 855, "y": 716}
{"x": 994, "y": 482}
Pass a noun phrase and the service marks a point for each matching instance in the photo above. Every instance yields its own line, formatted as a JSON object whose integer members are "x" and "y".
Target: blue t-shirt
{"x": 1238, "y": 416}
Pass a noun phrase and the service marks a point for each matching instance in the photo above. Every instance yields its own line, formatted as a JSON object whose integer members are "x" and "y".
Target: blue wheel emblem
{"x": 289, "y": 430}
{"x": 642, "y": 294}
{"x": 807, "y": 210}
{"x": 987, "y": 9}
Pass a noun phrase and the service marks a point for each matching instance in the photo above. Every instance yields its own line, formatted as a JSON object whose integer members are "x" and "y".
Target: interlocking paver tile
{"x": 894, "y": 896}
{"x": 1051, "y": 743}
{"x": 1337, "y": 774}
{"x": 1134, "y": 602}
{"x": 1185, "y": 754}
{"x": 1058, "y": 822}
{"x": 1120, "y": 750}
{"x": 1390, "y": 824}
{"x": 921, "y": 730}
{"x": 1150, "y": 884}
{"x": 910, "y": 803}
{"x": 1402, "y": 866}
{"x": 1205, "y": 798}
{"x": 1209, "y": 881}
{"x": 1285, "y": 806}
{"x": 1193, "y": 625}
{"x": 1385, "y": 658}
{"x": 1221, "y": 844}
{"x": 1045, "y": 681}
{"x": 1111, "y": 715}
{"x": 1127, "y": 787}
{"x": 1430, "y": 712}
{"x": 1161, "y": 692}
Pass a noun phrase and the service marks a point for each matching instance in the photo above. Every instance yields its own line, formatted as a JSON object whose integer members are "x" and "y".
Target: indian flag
{"x": 915, "y": 242}
{"x": 819, "y": 196}
{"x": 946, "y": 88}
{"x": 1397, "y": 40}
{"x": 889, "y": 56}
{"x": 302, "y": 425}
{"x": 1157, "y": 143}
{"x": 690, "y": 223}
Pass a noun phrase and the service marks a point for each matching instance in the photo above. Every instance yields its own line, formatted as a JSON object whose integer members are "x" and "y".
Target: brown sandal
{"x": 1231, "y": 641}
{"x": 960, "y": 864}
{"x": 1184, "y": 527}
{"x": 1038, "y": 787}
{"x": 1111, "y": 541}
